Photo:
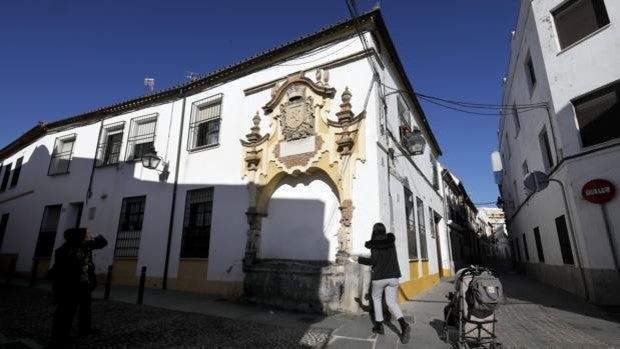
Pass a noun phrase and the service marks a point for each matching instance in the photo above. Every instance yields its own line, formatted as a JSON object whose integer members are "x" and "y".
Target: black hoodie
{"x": 382, "y": 257}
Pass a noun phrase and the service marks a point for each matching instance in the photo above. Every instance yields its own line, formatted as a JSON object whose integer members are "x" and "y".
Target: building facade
{"x": 562, "y": 93}
{"x": 272, "y": 172}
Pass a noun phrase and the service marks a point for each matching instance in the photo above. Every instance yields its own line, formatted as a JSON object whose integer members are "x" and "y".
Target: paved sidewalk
{"x": 533, "y": 316}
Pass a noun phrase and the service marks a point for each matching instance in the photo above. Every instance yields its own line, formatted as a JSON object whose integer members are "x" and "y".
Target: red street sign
{"x": 598, "y": 191}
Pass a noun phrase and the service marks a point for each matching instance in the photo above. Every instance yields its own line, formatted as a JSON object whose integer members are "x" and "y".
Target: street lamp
{"x": 414, "y": 142}
{"x": 150, "y": 160}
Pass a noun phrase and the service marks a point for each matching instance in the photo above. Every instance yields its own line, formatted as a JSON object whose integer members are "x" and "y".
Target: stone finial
{"x": 318, "y": 75}
{"x": 346, "y": 95}
{"x": 345, "y": 114}
{"x": 255, "y": 134}
{"x": 326, "y": 77}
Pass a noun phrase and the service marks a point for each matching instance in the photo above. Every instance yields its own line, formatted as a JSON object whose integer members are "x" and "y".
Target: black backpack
{"x": 483, "y": 294}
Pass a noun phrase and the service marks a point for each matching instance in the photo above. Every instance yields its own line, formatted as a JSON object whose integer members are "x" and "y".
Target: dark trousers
{"x": 65, "y": 312}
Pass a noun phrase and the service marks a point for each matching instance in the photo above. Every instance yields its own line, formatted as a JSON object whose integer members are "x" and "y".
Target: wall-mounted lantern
{"x": 414, "y": 142}
{"x": 151, "y": 161}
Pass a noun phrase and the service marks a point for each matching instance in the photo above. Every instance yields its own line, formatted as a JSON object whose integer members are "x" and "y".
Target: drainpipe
{"x": 164, "y": 284}
{"x": 89, "y": 192}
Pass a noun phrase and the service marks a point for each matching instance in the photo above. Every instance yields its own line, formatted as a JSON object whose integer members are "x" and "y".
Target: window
{"x": 4, "y": 221}
{"x": 130, "y": 227}
{"x": 204, "y": 128}
{"x": 525, "y": 169}
{"x": 565, "y": 248}
{"x": 17, "y": 171}
{"x": 435, "y": 171}
{"x": 197, "y": 223}
{"x": 597, "y": 115}
{"x": 507, "y": 146}
{"x": 515, "y": 118}
{"x": 527, "y": 253}
{"x": 530, "y": 74}
{"x": 539, "y": 249}
{"x": 431, "y": 220}
{"x": 577, "y": 19}
{"x": 61, "y": 155}
{"x": 141, "y": 137}
{"x": 422, "y": 229}
{"x": 404, "y": 118}
{"x": 5, "y": 179}
{"x": 47, "y": 232}
{"x": 412, "y": 240}
{"x": 545, "y": 149}
{"x": 110, "y": 143}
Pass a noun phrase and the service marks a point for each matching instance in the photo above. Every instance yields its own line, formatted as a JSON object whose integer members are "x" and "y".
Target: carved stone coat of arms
{"x": 297, "y": 118}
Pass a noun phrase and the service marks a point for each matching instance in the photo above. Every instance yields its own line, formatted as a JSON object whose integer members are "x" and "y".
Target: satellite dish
{"x": 536, "y": 181}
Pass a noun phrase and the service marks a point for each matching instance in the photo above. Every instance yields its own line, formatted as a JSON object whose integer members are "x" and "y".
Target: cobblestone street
{"x": 533, "y": 316}
{"x": 27, "y": 313}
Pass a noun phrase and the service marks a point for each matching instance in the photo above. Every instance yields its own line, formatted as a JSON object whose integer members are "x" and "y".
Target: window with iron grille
{"x": 4, "y": 221}
{"x": 130, "y": 227}
{"x": 141, "y": 137}
{"x": 410, "y": 220}
{"x": 432, "y": 220}
{"x": 61, "y": 155}
{"x": 17, "y": 171}
{"x": 545, "y": 148}
{"x": 5, "y": 179}
{"x": 197, "y": 223}
{"x": 204, "y": 128}
{"x": 110, "y": 143}
{"x": 422, "y": 229}
{"x": 577, "y": 19}
{"x": 47, "y": 233}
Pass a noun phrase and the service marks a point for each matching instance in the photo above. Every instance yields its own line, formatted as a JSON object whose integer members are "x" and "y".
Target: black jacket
{"x": 382, "y": 257}
{"x": 73, "y": 266}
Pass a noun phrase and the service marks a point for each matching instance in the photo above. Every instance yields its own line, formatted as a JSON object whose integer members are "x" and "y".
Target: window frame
{"x": 132, "y": 140}
{"x": 565, "y": 5}
{"x": 515, "y": 119}
{"x": 56, "y": 155}
{"x": 539, "y": 246}
{"x": 530, "y": 73}
{"x": 6, "y": 177}
{"x": 126, "y": 235}
{"x": 16, "y": 172}
{"x": 421, "y": 228}
{"x": 194, "y": 126}
{"x": 545, "y": 149}
{"x": 103, "y": 150}
{"x": 588, "y": 97}
{"x": 46, "y": 239}
{"x": 410, "y": 225}
{"x": 185, "y": 251}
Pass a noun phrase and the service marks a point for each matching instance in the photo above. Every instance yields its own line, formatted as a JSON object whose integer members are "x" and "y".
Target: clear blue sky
{"x": 59, "y": 58}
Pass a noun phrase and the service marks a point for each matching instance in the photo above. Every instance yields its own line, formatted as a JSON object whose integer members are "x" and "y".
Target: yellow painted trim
{"x": 124, "y": 271}
{"x": 447, "y": 272}
{"x": 416, "y": 283}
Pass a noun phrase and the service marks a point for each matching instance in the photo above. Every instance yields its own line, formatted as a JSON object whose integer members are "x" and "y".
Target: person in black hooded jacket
{"x": 73, "y": 280}
{"x": 384, "y": 275}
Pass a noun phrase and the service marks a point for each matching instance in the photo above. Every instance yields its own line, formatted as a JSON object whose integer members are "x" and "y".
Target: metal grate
{"x": 61, "y": 156}
{"x": 410, "y": 220}
{"x": 197, "y": 223}
{"x": 130, "y": 227}
{"x": 141, "y": 136}
{"x": 204, "y": 128}
{"x": 422, "y": 229}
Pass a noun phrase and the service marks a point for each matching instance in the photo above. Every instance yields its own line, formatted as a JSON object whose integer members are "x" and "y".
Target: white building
{"x": 564, "y": 54}
{"x": 274, "y": 170}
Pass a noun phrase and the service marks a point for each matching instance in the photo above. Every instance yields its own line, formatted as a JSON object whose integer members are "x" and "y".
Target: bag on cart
{"x": 483, "y": 295}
